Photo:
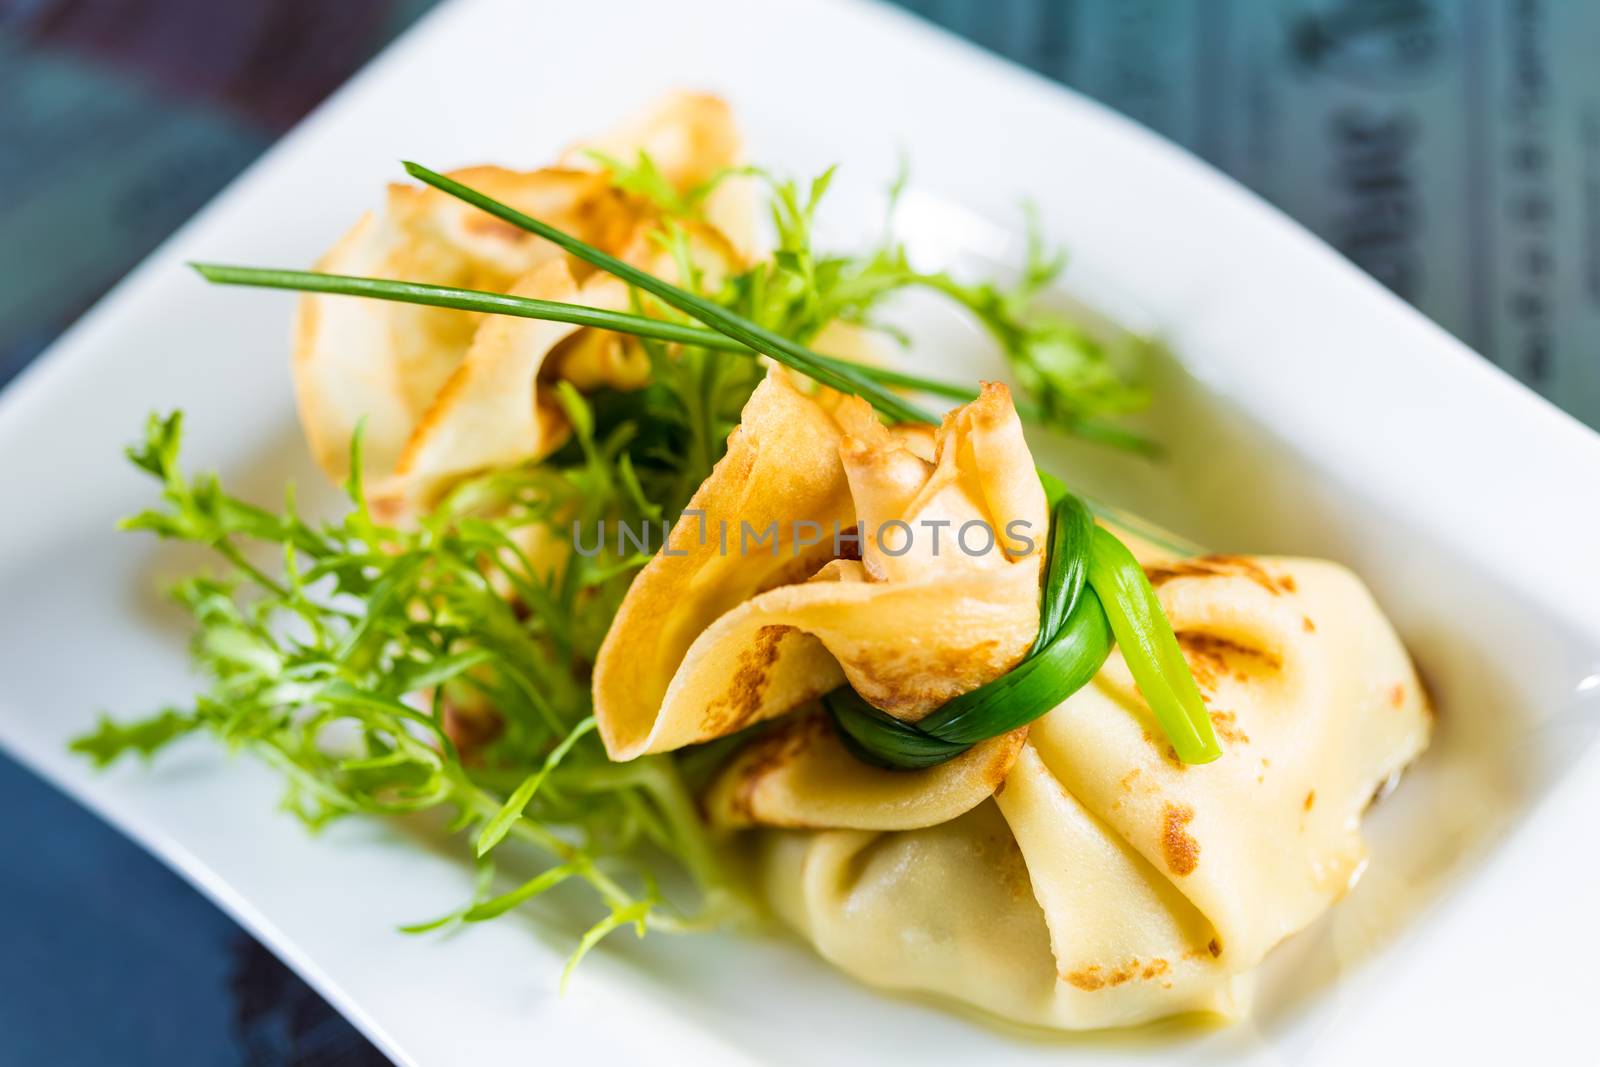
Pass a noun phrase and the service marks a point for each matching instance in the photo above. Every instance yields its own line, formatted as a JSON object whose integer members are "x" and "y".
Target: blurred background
{"x": 1451, "y": 148}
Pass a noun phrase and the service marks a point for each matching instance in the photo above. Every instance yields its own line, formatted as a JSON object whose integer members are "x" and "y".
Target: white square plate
{"x": 1308, "y": 410}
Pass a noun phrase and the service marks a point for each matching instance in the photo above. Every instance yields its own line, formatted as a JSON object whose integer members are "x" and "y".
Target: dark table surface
{"x": 1450, "y": 147}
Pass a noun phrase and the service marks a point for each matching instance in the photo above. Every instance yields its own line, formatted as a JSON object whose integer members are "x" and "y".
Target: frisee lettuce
{"x": 388, "y": 671}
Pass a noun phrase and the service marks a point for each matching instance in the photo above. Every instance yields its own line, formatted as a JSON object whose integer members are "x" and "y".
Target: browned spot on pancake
{"x": 1089, "y": 979}
{"x": 902, "y": 681}
{"x": 1311, "y": 799}
{"x": 1307, "y": 625}
{"x": 1001, "y": 758}
{"x": 1214, "y": 947}
{"x": 1212, "y": 658}
{"x": 1127, "y": 779}
{"x": 1182, "y": 851}
{"x": 1397, "y": 695}
{"x": 1225, "y": 723}
{"x": 1286, "y": 583}
{"x": 1124, "y": 974}
{"x": 1096, "y": 977}
{"x": 742, "y": 699}
{"x": 1217, "y": 567}
{"x": 1247, "y": 568}
{"x": 1160, "y": 574}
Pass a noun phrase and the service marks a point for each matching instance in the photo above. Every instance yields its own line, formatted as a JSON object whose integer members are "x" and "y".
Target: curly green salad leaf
{"x": 389, "y": 671}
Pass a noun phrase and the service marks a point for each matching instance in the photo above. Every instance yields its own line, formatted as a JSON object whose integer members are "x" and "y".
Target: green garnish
{"x": 1093, "y": 589}
{"x": 442, "y": 669}
{"x": 348, "y": 669}
{"x": 1073, "y": 641}
{"x": 1069, "y": 376}
{"x": 1151, "y": 649}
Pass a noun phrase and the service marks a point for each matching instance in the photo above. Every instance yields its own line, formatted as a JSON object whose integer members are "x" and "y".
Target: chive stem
{"x": 1151, "y": 649}
{"x": 491, "y": 303}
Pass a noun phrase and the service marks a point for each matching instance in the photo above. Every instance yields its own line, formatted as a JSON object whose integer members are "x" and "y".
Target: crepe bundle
{"x": 445, "y": 393}
{"x": 1072, "y": 874}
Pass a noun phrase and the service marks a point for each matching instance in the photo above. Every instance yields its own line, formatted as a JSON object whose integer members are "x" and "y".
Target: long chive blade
{"x": 491, "y": 303}
{"x": 780, "y": 348}
{"x": 1151, "y": 649}
{"x": 447, "y": 296}
{"x": 885, "y": 376}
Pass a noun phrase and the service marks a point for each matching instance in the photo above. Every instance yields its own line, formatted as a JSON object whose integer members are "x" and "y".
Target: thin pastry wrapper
{"x": 442, "y": 393}
{"x": 495, "y": 411}
{"x": 713, "y": 636}
{"x": 1155, "y": 888}
{"x": 1073, "y": 874}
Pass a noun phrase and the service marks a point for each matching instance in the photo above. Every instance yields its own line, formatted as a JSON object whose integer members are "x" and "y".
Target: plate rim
{"x": 35, "y": 385}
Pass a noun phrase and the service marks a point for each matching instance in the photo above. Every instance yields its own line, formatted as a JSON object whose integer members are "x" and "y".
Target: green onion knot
{"x": 1095, "y": 596}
